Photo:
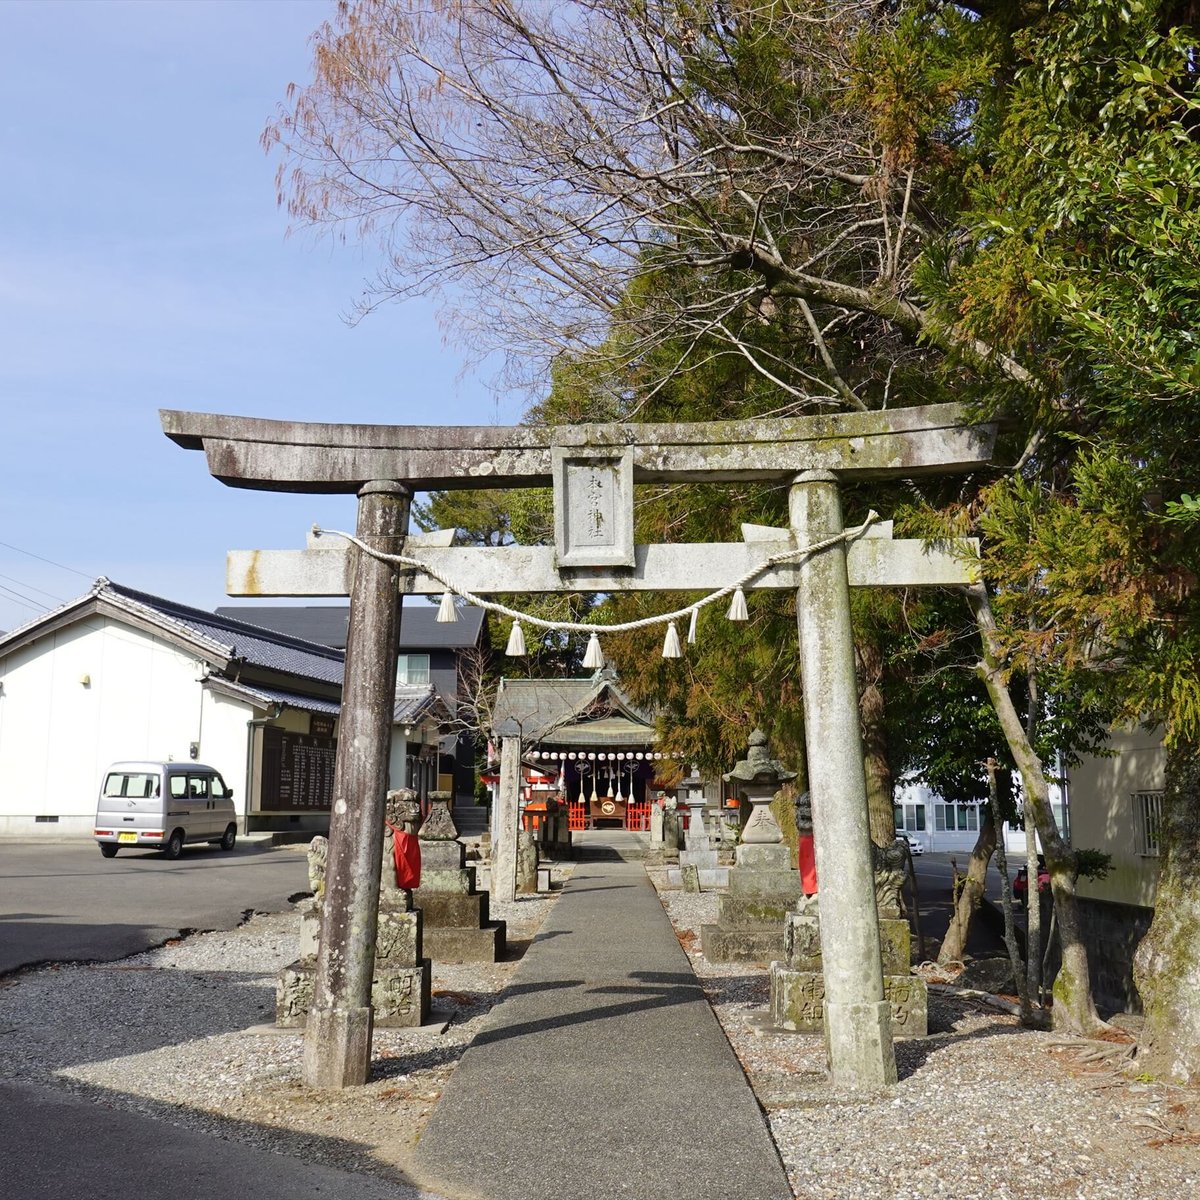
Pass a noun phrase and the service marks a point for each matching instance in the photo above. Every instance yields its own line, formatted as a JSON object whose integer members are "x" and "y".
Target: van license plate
{"x": 127, "y": 837}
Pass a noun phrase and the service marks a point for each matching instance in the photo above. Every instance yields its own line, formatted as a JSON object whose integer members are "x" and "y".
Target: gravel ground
{"x": 165, "y": 1033}
{"x": 983, "y": 1108}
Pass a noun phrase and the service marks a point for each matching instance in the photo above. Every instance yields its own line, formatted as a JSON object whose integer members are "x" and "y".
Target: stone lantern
{"x": 757, "y": 778}
{"x": 691, "y": 796}
{"x": 764, "y": 884}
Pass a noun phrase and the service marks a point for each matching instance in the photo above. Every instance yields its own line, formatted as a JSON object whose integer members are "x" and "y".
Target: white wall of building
{"x": 941, "y": 826}
{"x": 1111, "y": 799}
{"x": 93, "y": 693}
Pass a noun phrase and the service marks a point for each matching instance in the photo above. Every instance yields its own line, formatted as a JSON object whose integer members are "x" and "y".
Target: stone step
{"x": 471, "y": 820}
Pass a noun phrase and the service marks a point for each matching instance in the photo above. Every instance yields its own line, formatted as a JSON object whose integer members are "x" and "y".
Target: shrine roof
{"x": 552, "y": 710}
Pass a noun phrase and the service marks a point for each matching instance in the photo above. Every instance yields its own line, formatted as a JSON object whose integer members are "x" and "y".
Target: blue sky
{"x": 144, "y": 265}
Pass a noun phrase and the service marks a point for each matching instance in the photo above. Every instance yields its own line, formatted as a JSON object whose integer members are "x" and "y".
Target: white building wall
{"x": 224, "y": 741}
{"x": 1105, "y": 817}
{"x": 916, "y": 809}
{"x": 93, "y": 693}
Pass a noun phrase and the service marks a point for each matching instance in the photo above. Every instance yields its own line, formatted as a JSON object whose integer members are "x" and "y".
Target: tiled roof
{"x": 415, "y": 702}
{"x": 419, "y": 626}
{"x": 250, "y": 643}
{"x": 223, "y": 637}
{"x": 534, "y": 709}
{"x": 266, "y": 696}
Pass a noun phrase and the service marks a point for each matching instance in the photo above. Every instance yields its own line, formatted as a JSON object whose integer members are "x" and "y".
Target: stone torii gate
{"x": 593, "y": 469}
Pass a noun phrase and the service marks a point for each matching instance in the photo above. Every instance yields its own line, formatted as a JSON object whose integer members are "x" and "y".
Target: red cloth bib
{"x": 407, "y": 850}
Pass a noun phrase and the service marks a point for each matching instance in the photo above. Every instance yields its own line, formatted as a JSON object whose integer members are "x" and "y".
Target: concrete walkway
{"x": 603, "y": 1072}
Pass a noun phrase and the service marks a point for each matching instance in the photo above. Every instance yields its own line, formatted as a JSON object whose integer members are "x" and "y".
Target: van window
{"x": 178, "y": 786}
{"x": 198, "y": 787}
{"x": 218, "y": 788}
{"x": 136, "y": 785}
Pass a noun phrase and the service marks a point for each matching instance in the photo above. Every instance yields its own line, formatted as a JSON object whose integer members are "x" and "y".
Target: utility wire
{"x": 32, "y": 588}
{"x": 61, "y": 566}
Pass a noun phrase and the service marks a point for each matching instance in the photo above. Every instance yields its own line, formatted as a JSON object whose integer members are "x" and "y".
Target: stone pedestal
{"x": 401, "y": 979}
{"x": 672, "y": 833}
{"x": 752, "y": 915}
{"x": 400, "y": 986}
{"x": 656, "y": 825}
{"x": 798, "y": 984}
{"x": 527, "y": 864}
{"x": 698, "y": 854}
{"x": 456, "y": 924}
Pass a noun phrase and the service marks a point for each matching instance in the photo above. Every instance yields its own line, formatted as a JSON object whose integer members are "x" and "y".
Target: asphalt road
{"x": 62, "y": 902}
{"x": 934, "y": 875}
{"x": 56, "y": 1146}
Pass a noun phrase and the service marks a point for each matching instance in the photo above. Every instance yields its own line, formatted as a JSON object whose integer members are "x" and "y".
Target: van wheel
{"x": 174, "y": 846}
{"x": 108, "y": 849}
{"x": 230, "y": 837}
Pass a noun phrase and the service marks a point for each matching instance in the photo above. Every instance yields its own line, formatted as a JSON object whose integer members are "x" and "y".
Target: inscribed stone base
{"x": 802, "y": 944}
{"x": 702, "y": 860}
{"x": 766, "y": 881}
{"x": 722, "y": 945}
{"x": 459, "y": 944}
{"x": 756, "y": 910}
{"x": 400, "y": 996}
{"x": 895, "y": 944}
{"x": 760, "y": 856}
{"x": 798, "y": 1002}
{"x": 448, "y": 879}
{"x": 451, "y": 908}
{"x": 442, "y": 856}
{"x": 399, "y": 939}
{"x": 398, "y": 936}
{"x": 718, "y": 877}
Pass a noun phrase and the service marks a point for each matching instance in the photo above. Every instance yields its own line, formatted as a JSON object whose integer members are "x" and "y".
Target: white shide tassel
{"x": 593, "y": 660}
{"x": 671, "y": 646}
{"x": 516, "y": 641}
{"x": 447, "y": 613}
{"x": 692, "y": 627}
{"x": 737, "y": 607}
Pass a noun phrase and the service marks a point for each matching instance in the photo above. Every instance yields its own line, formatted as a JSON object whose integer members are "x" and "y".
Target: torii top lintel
{"x": 297, "y": 456}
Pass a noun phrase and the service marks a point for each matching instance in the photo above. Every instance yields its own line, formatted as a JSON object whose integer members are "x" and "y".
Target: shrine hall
{"x": 585, "y": 743}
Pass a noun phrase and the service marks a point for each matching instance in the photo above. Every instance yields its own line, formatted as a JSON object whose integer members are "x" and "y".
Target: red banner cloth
{"x": 808, "y": 865}
{"x": 407, "y": 850}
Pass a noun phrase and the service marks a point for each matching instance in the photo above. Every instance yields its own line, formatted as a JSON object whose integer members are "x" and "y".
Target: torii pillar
{"x": 337, "y": 1036}
{"x": 858, "y": 1023}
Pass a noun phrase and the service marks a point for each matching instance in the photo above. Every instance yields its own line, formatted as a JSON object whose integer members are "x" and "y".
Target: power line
{"x": 31, "y": 587}
{"x": 24, "y": 600}
{"x": 60, "y": 566}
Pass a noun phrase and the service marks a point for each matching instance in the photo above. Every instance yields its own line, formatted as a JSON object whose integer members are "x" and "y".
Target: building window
{"x": 909, "y": 817}
{"x": 1148, "y": 806}
{"x": 951, "y": 818}
{"x": 412, "y": 669}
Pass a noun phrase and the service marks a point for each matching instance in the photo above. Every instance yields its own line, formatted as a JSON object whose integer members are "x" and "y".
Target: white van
{"x": 163, "y": 805}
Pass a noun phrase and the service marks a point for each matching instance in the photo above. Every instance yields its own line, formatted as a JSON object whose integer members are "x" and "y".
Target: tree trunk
{"x": 1033, "y": 893}
{"x": 969, "y": 899}
{"x": 1006, "y": 903}
{"x": 1074, "y": 1007}
{"x": 876, "y": 767}
{"x": 1166, "y": 967}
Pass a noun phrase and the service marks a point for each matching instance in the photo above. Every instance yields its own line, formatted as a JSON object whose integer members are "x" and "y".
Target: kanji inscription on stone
{"x": 593, "y": 507}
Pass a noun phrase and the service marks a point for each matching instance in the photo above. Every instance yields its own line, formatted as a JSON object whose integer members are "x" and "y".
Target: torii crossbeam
{"x": 593, "y": 469}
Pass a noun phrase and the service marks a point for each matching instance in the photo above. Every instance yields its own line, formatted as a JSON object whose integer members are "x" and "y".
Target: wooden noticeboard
{"x": 297, "y": 771}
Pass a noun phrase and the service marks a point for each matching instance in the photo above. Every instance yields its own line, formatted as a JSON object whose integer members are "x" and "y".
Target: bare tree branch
{"x": 569, "y": 177}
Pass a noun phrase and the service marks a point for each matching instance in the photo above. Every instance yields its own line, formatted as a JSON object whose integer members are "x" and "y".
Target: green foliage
{"x": 1092, "y": 864}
